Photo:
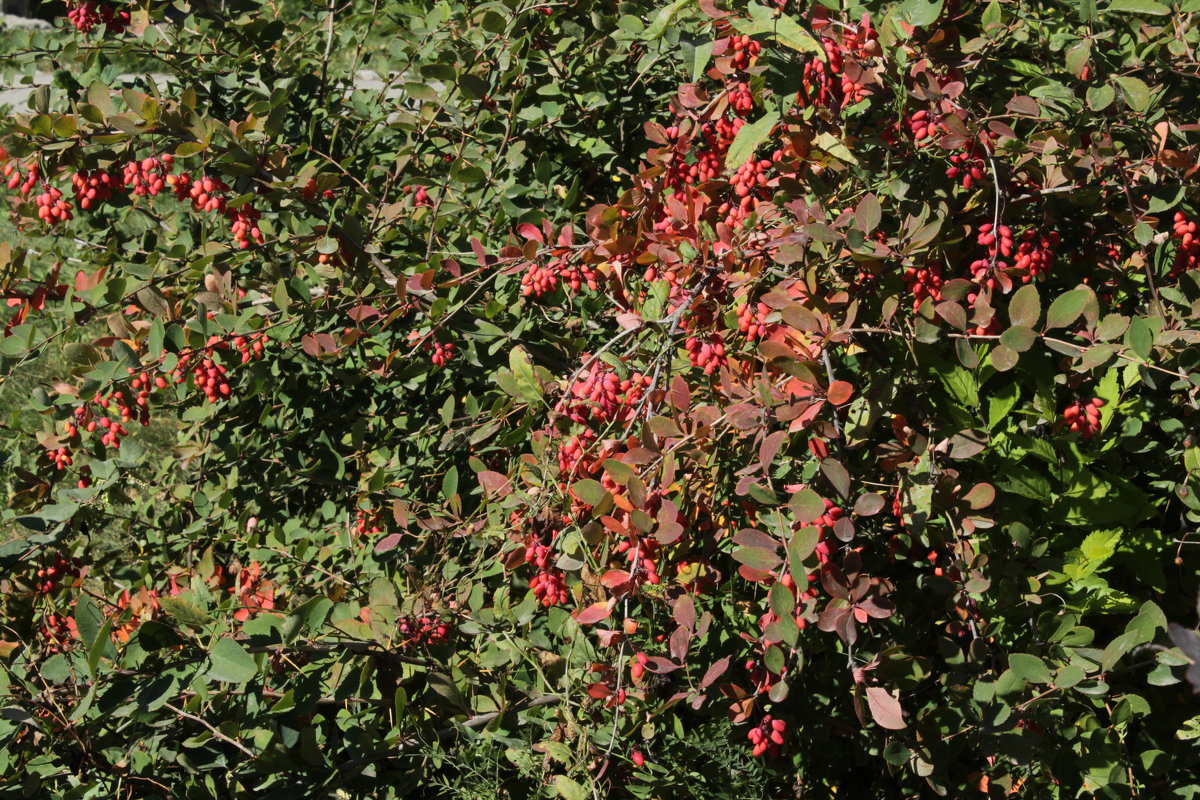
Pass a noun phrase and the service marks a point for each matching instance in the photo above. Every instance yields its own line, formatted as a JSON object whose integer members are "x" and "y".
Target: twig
{"x": 211, "y": 729}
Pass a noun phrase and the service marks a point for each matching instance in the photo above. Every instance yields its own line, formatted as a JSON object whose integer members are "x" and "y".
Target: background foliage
{"x": 574, "y": 399}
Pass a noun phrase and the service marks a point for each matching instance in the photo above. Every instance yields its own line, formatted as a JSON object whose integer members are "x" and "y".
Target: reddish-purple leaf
{"x": 885, "y": 708}
{"x": 714, "y": 672}
{"x": 387, "y": 543}
{"x": 684, "y": 612}
{"x": 494, "y": 483}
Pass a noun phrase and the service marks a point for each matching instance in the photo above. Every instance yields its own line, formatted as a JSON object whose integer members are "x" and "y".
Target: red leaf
{"x": 840, "y": 392}
{"x": 885, "y": 708}
{"x": 528, "y": 231}
{"x": 754, "y": 575}
{"x": 981, "y": 496}
{"x": 684, "y": 612}
{"x": 770, "y": 448}
{"x": 678, "y": 643}
{"x": 494, "y": 483}
{"x": 614, "y": 578}
{"x": 751, "y": 537}
{"x": 594, "y": 613}
{"x": 660, "y": 665}
{"x": 714, "y": 672}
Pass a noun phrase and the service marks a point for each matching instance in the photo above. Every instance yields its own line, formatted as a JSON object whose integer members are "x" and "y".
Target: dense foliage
{"x": 536, "y": 399}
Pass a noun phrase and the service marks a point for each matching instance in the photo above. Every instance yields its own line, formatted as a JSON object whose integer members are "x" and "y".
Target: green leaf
{"x": 1066, "y": 308}
{"x": 835, "y": 147}
{"x": 1025, "y": 308}
{"x": 1140, "y": 337}
{"x": 186, "y": 149}
{"x": 1135, "y": 91}
{"x": 801, "y": 546}
{"x": 666, "y": 15}
{"x": 1029, "y": 668}
{"x": 920, "y": 13}
{"x": 589, "y": 491}
{"x": 100, "y": 645}
{"x": 88, "y": 619}
{"x": 82, "y": 353}
{"x": 1137, "y": 7}
{"x": 569, "y": 789}
{"x": 781, "y": 600}
{"x": 528, "y": 385}
{"x": 1069, "y": 675}
{"x": 757, "y": 557}
{"x": 748, "y": 140}
{"x": 231, "y": 663}
{"x": 1100, "y": 97}
{"x": 1018, "y": 338}
{"x": 1097, "y": 548}
{"x": 185, "y": 611}
{"x": 784, "y": 28}
{"x": 807, "y": 505}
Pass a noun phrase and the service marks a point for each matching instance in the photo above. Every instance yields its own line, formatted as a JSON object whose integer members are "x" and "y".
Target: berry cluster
{"x": 539, "y": 280}
{"x": 62, "y": 570}
{"x": 441, "y": 353}
{"x": 1083, "y": 417}
{"x": 84, "y": 418}
{"x": 967, "y": 165}
{"x": 642, "y": 554}
{"x": 22, "y": 181}
{"x": 840, "y": 78}
{"x": 245, "y": 225}
{"x": 923, "y": 126}
{"x": 999, "y": 245}
{"x": 1035, "y": 254}
{"x": 1187, "y": 253}
{"x": 423, "y": 630}
{"x": 85, "y": 15}
{"x": 60, "y": 457}
{"x": 59, "y": 632}
{"x": 743, "y": 51}
{"x": 924, "y": 282}
{"x": 367, "y": 523}
{"x": 717, "y": 135}
{"x": 707, "y": 352}
{"x": 52, "y": 209}
{"x": 767, "y": 737}
{"x": 310, "y": 191}
{"x": 210, "y": 377}
{"x": 571, "y": 455}
{"x": 420, "y": 195}
{"x": 549, "y": 584}
{"x": 752, "y": 321}
{"x": 600, "y": 396}
{"x": 205, "y": 193}
{"x": 93, "y": 187}
{"x": 824, "y": 525}
{"x": 748, "y": 184}
{"x": 148, "y": 176}
{"x": 741, "y": 98}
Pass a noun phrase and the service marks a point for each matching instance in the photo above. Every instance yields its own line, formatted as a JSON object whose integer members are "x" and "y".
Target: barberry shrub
{"x": 574, "y": 399}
